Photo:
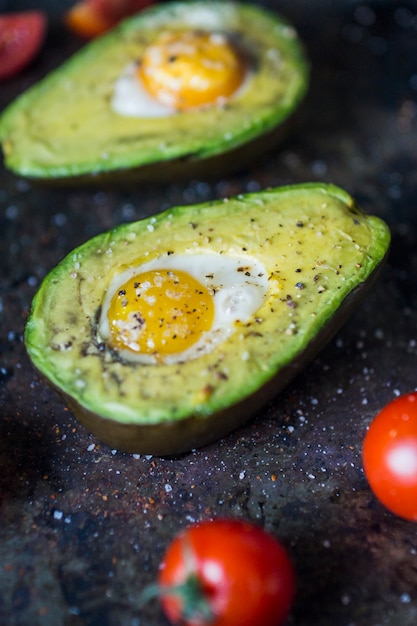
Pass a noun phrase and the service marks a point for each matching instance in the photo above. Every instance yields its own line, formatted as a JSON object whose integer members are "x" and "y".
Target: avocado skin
{"x": 86, "y": 142}
{"x": 355, "y": 246}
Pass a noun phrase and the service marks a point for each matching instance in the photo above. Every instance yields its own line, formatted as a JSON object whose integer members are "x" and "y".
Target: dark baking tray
{"x": 83, "y": 527}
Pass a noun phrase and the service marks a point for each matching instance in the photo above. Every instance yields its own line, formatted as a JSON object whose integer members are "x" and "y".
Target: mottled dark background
{"x": 82, "y": 526}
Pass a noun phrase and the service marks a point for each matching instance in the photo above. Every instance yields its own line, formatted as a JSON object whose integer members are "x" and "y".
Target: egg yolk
{"x": 159, "y": 312}
{"x": 191, "y": 69}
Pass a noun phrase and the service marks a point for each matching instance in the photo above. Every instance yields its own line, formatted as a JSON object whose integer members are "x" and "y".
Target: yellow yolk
{"x": 191, "y": 69}
{"x": 160, "y": 312}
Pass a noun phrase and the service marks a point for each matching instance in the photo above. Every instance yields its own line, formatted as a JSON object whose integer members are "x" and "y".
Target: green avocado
{"x": 66, "y": 126}
{"x": 318, "y": 252}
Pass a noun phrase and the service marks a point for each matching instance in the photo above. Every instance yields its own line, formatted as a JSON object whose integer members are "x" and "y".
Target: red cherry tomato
{"x": 90, "y": 18}
{"x": 390, "y": 456}
{"x": 21, "y": 37}
{"x": 226, "y": 573}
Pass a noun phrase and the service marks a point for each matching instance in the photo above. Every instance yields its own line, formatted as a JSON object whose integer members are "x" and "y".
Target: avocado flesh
{"x": 64, "y": 127}
{"x": 320, "y": 252}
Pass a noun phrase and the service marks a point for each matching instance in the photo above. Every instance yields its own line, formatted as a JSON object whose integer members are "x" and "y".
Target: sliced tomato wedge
{"x": 84, "y": 20}
{"x": 90, "y": 18}
{"x": 22, "y": 35}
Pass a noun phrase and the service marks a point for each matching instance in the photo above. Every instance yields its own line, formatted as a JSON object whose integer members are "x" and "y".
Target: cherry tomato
{"x": 90, "y": 18}
{"x": 21, "y": 37}
{"x": 226, "y": 572}
{"x": 390, "y": 456}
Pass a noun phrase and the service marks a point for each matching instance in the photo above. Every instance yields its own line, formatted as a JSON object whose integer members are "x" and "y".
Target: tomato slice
{"x": 90, "y": 18}
{"x": 84, "y": 20}
{"x": 21, "y": 37}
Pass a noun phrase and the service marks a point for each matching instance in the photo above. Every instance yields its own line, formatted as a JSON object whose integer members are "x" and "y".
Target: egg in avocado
{"x": 179, "y": 84}
{"x": 167, "y": 333}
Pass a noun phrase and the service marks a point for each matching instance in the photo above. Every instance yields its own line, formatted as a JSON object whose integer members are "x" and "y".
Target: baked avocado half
{"x": 167, "y": 333}
{"x": 177, "y": 85}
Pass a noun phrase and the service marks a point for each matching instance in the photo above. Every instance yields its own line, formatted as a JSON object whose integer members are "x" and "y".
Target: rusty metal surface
{"x": 83, "y": 527}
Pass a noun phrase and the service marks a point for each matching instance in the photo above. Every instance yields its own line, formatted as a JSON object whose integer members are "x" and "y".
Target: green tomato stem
{"x": 195, "y": 605}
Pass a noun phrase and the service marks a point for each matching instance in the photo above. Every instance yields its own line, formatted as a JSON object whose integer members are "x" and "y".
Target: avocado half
{"x": 320, "y": 252}
{"x": 64, "y": 127}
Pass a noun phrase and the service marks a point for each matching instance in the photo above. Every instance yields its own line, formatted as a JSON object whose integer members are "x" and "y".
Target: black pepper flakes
{"x": 289, "y": 301}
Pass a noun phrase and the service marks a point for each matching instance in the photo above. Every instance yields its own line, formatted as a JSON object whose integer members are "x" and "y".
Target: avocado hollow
{"x": 88, "y": 141}
{"x": 321, "y": 254}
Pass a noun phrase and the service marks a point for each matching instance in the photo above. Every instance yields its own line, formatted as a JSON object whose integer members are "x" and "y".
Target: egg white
{"x": 131, "y": 98}
{"x": 238, "y": 286}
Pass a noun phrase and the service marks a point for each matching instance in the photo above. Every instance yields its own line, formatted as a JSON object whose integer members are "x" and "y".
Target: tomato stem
{"x": 194, "y": 602}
